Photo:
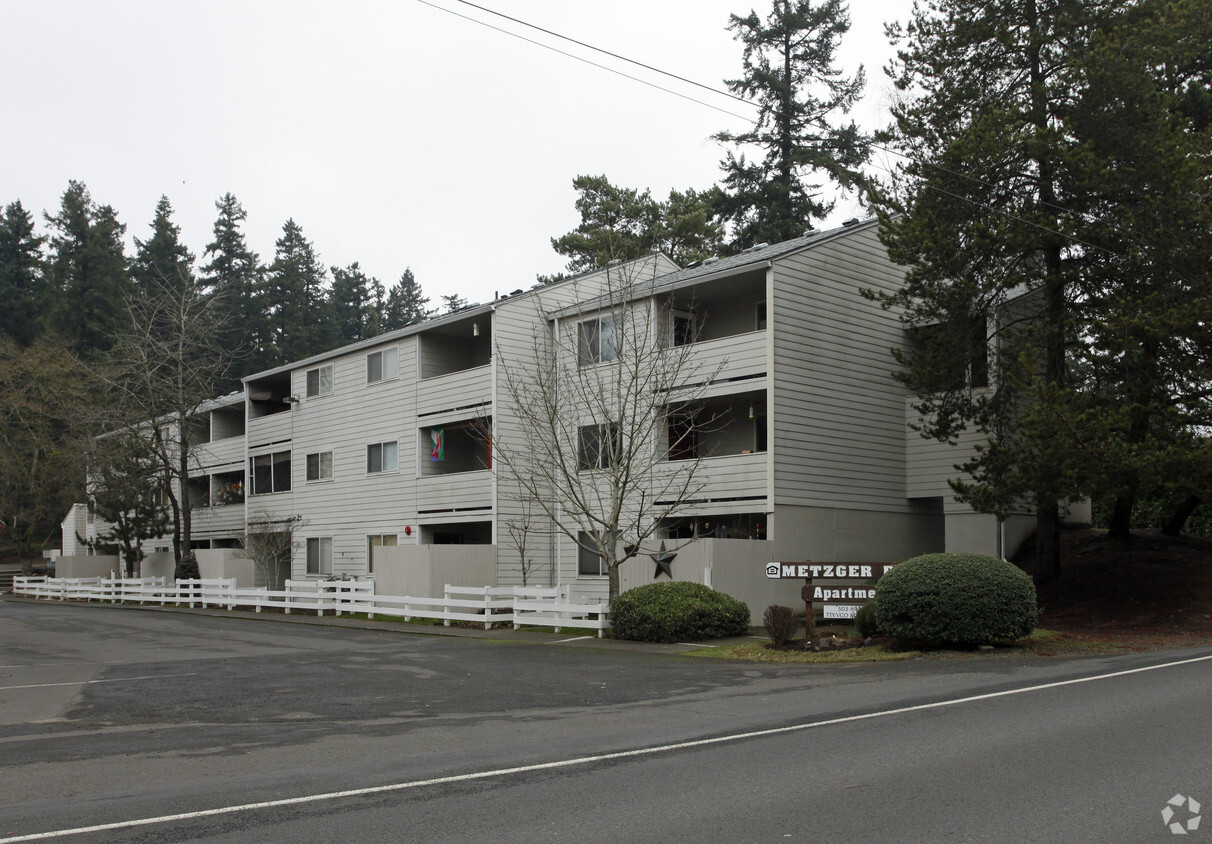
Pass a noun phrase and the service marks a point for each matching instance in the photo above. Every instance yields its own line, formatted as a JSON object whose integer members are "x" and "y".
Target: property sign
{"x": 826, "y": 571}
{"x": 832, "y": 584}
{"x": 840, "y": 611}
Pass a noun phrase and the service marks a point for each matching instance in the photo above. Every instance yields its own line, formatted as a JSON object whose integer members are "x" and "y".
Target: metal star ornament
{"x": 663, "y": 560}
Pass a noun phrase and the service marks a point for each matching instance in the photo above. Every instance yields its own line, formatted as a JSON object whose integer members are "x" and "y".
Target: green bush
{"x": 864, "y": 620}
{"x": 956, "y": 599}
{"x": 677, "y": 612}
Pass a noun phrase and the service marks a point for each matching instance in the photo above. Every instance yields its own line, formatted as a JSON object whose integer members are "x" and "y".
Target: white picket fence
{"x": 488, "y": 605}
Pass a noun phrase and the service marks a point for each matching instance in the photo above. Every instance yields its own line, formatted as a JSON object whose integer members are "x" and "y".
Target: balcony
{"x": 725, "y": 484}
{"x": 455, "y": 392}
{"x": 729, "y": 364}
{"x": 455, "y": 495}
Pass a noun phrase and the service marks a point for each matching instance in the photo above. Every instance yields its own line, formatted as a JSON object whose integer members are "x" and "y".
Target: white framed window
{"x": 319, "y": 381}
{"x": 381, "y": 457}
{"x": 598, "y": 340}
{"x": 600, "y": 446}
{"x": 319, "y": 466}
{"x": 383, "y": 365}
{"x": 271, "y": 473}
{"x": 590, "y": 564}
{"x": 376, "y": 541}
{"x": 319, "y": 555}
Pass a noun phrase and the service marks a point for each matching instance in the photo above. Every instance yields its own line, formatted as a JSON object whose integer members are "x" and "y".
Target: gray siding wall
{"x": 837, "y": 430}
{"x": 353, "y": 504}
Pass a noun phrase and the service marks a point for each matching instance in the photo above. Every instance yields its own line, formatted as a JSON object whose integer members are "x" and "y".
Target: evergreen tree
{"x": 234, "y": 275}
{"x": 89, "y": 279}
{"x": 162, "y": 257}
{"x": 294, "y": 300}
{"x": 789, "y": 72}
{"x": 21, "y": 275}
{"x": 124, "y": 489}
{"x": 624, "y": 223}
{"x": 453, "y": 302}
{"x": 405, "y": 303}
{"x": 1047, "y": 210}
{"x": 351, "y": 301}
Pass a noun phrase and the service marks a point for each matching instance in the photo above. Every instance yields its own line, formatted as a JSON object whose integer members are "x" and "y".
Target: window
{"x": 382, "y": 366}
{"x": 684, "y": 330}
{"x": 759, "y": 431}
{"x": 271, "y": 473}
{"x": 319, "y": 381}
{"x": 381, "y": 457}
{"x": 589, "y": 563}
{"x": 319, "y": 466}
{"x": 759, "y": 321}
{"x": 601, "y": 446}
{"x": 386, "y": 540}
{"x": 319, "y": 555}
{"x": 598, "y": 340}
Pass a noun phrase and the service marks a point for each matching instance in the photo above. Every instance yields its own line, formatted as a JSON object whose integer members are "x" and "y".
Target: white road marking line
{"x": 584, "y": 760}
{"x": 573, "y": 639}
{"x": 89, "y": 682}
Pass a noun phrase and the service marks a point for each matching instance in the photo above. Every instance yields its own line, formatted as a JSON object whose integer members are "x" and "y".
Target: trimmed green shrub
{"x": 864, "y": 620}
{"x": 677, "y": 612}
{"x": 781, "y": 623}
{"x": 956, "y": 599}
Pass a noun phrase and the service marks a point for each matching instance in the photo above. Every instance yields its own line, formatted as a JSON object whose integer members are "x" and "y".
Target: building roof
{"x": 751, "y": 258}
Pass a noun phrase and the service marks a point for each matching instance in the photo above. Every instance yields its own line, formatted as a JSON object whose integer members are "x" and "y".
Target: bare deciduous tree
{"x": 161, "y": 372}
{"x": 270, "y": 542}
{"x": 585, "y": 431}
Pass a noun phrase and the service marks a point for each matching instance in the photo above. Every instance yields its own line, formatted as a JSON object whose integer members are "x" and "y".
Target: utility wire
{"x": 606, "y": 68}
{"x": 821, "y": 126}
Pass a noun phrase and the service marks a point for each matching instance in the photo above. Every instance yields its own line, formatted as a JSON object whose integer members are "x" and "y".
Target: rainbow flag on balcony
{"x": 438, "y": 452}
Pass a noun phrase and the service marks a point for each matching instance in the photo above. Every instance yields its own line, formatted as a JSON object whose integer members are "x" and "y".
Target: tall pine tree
{"x": 233, "y": 274}
{"x": 352, "y": 303}
{"x": 1035, "y": 219}
{"x": 791, "y": 75}
{"x": 88, "y": 273}
{"x": 624, "y": 223}
{"x": 294, "y": 300}
{"x": 21, "y": 275}
{"x": 405, "y": 303}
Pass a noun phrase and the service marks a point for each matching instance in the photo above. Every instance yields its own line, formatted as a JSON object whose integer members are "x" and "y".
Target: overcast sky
{"x": 395, "y": 134}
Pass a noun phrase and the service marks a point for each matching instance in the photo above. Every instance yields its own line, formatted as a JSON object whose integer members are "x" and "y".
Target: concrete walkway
{"x": 503, "y": 633}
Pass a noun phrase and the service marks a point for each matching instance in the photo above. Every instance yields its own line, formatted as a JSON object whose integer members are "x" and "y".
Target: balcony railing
{"x": 729, "y": 476}
{"x": 739, "y": 357}
{"x": 454, "y": 492}
{"x": 464, "y": 389}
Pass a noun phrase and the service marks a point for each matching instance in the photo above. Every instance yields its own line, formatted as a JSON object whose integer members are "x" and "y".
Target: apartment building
{"x": 384, "y": 442}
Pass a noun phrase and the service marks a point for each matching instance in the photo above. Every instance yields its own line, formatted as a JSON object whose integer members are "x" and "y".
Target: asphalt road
{"x": 118, "y": 719}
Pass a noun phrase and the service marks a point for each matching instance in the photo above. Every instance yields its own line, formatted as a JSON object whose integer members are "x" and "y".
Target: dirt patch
{"x": 1147, "y": 591}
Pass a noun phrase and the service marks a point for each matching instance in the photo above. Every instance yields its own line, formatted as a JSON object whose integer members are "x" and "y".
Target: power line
{"x": 606, "y": 68}
{"x": 821, "y": 126}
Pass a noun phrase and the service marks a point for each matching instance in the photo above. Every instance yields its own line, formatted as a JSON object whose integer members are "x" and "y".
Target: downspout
{"x": 559, "y": 533}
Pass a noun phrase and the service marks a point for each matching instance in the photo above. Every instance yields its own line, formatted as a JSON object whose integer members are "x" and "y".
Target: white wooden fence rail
{"x": 488, "y": 605}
